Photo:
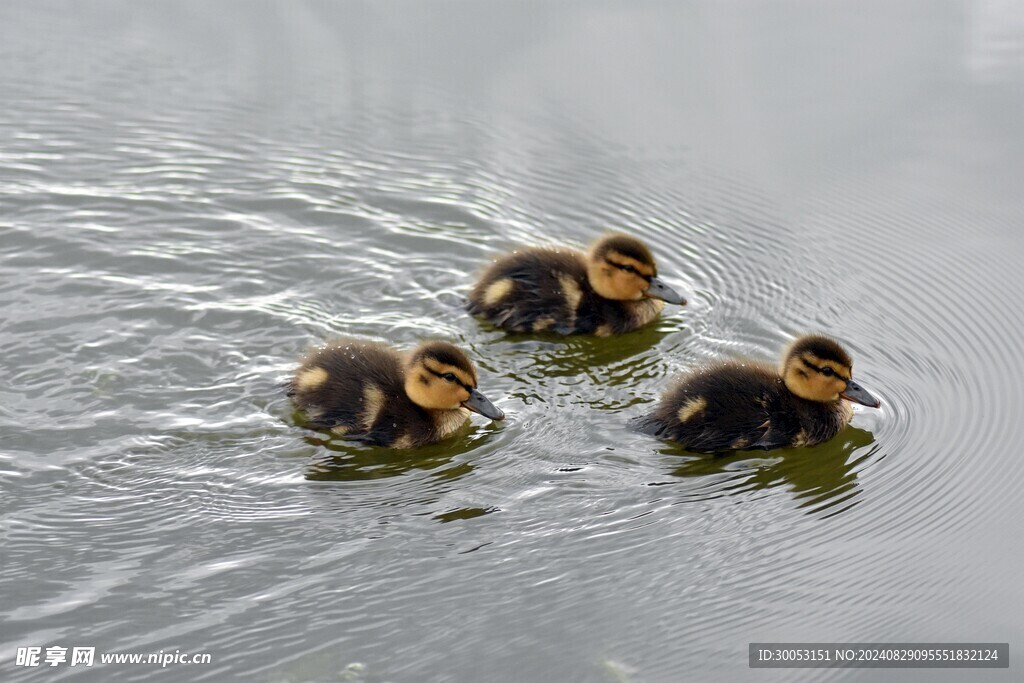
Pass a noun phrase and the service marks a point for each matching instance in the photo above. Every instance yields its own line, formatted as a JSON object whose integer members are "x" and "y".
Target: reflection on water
{"x": 819, "y": 477}
{"x": 463, "y": 513}
{"x": 545, "y": 367}
{"x": 347, "y": 462}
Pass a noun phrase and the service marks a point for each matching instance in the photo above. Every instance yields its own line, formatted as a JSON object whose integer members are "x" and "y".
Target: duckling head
{"x": 817, "y": 368}
{"x": 622, "y": 268}
{"x": 439, "y": 376}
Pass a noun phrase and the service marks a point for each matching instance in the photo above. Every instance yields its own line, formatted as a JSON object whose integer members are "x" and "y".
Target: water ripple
{"x": 169, "y": 252}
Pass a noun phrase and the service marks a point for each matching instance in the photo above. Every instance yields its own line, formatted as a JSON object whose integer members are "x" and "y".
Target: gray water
{"x": 193, "y": 193}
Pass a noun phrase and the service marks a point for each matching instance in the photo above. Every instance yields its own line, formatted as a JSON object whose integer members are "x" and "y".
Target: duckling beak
{"x": 858, "y": 394}
{"x": 659, "y": 290}
{"x": 478, "y": 403}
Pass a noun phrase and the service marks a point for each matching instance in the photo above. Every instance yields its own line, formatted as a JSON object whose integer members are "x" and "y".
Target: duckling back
{"x": 540, "y": 289}
{"x": 355, "y": 389}
{"x": 531, "y": 291}
{"x": 738, "y": 406}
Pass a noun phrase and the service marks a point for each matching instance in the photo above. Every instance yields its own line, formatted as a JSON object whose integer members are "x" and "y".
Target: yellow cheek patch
{"x": 800, "y": 439}
{"x": 612, "y": 283}
{"x": 571, "y": 291}
{"x": 605, "y": 330}
{"x": 691, "y": 408}
{"x": 340, "y": 430}
{"x": 497, "y": 290}
{"x": 543, "y": 324}
{"x": 741, "y": 442}
{"x": 373, "y": 403}
{"x": 308, "y": 380}
{"x": 419, "y": 386}
{"x": 403, "y": 442}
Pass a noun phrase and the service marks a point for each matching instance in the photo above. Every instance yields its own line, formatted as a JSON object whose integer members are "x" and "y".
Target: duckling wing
{"x": 351, "y": 388}
{"x": 741, "y": 401}
{"x": 727, "y": 426}
{"x": 531, "y": 291}
{"x": 769, "y": 436}
{"x": 725, "y": 407}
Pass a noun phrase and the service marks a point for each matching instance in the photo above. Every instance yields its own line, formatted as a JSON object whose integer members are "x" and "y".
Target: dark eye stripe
{"x": 442, "y": 376}
{"x": 822, "y": 371}
{"x": 629, "y": 269}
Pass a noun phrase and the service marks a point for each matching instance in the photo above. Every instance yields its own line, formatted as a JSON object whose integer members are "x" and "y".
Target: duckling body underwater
{"x": 612, "y": 289}
{"x": 746, "y": 405}
{"x": 370, "y": 392}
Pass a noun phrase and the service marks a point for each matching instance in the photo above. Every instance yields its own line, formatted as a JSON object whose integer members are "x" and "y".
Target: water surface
{"x": 192, "y": 195}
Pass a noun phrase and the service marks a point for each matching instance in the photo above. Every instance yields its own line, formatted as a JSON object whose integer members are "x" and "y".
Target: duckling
{"x": 745, "y": 405}
{"x": 370, "y": 392}
{"x": 612, "y": 289}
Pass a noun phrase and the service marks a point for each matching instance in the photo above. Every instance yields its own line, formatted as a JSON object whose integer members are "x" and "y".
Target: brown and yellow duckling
{"x": 612, "y": 289}
{"x": 744, "y": 405}
{"x": 370, "y": 392}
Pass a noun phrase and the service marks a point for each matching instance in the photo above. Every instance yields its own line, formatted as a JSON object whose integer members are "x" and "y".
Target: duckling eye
{"x": 827, "y": 371}
{"x": 632, "y": 269}
{"x": 448, "y": 376}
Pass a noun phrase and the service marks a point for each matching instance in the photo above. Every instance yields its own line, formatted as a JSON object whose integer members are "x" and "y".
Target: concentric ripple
{"x": 192, "y": 196}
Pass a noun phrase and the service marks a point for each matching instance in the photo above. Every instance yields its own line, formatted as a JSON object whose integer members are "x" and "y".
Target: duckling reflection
{"x": 612, "y": 289}
{"x": 749, "y": 405}
{"x": 349, "y": 462}
{"x": 620, "y": 363}
{"x": 820, "y": 477}
{"x": 368, "y": 392}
